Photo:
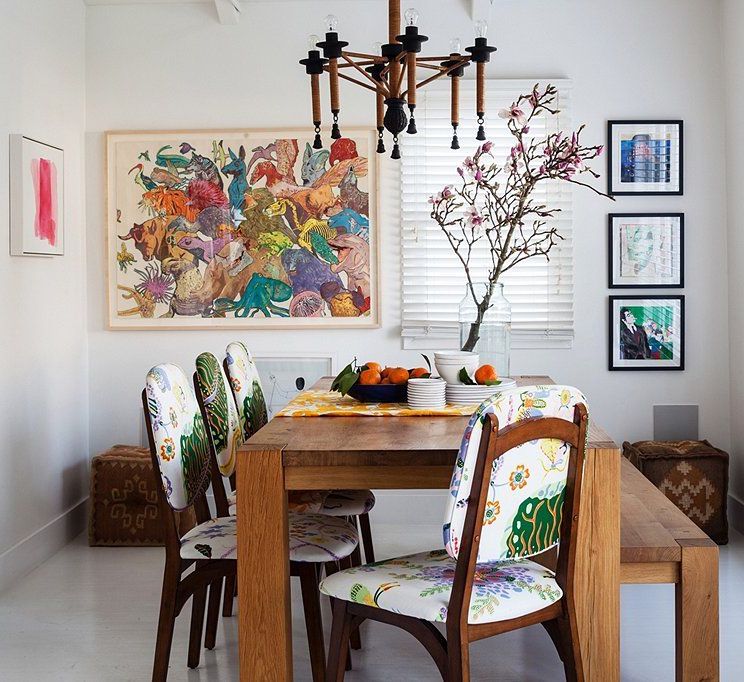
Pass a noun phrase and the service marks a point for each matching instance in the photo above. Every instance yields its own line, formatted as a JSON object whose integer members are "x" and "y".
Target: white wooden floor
{"x": 89, "y": 614}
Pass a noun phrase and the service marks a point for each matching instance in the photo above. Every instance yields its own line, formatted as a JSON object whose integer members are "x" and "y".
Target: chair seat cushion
{"x": 419, "y": 585}
{"x": 312, "y": 538}
{"x": 320, "y": 538}
{"x": 348, "y": 502}
{"x": 213, "y": 539}
{"x": 328, "y": 502}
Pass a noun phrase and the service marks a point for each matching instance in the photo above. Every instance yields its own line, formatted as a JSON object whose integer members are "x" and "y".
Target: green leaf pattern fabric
{"x": 179, "y": 434}
{"x": 525, "y": 499}
{"x": 246, "y": 386}
{"x": 222, "y": 413}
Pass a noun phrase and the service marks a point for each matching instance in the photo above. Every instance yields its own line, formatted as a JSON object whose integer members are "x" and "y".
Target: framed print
{"x": 647, "y": 332}
{"x": 646, "y": 250}
{"x": 245, "y": 229}
{"x": 36, "y": 198}
{"x": 644, "y": 157}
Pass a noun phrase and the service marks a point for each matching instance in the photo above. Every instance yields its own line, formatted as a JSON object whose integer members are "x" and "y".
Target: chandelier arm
{"x": 401, "y": 75}
{"x": 374, "y": 82}
{"x": 462, "y": 58}
{"x": 367, "y": 62}
{"x": 364, "y": 85}
{"x": 435, "y": 67}
{"x": 363, "y": 55}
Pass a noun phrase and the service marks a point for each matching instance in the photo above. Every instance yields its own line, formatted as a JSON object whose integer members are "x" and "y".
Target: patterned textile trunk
{"x": 692, "y": 474}
{"x": 124, "y": 509}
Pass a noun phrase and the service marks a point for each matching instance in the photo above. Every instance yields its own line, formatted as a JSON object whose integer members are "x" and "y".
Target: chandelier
{"x": 393, "y": 75}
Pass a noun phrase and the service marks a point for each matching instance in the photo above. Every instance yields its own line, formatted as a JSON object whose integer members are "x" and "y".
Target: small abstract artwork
{"x": 647, "y": 332}
{"x": 36, "y": 198}
{"x": 646, "y": 250}
{"x": 645, "y": 157}
{"x": 247, "y": 229}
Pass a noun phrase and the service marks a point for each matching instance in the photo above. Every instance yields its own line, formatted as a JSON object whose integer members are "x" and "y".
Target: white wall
{"x": 43, "y": 336}
{"x": 733, "y": 26}
{"x": 174, "y": 66}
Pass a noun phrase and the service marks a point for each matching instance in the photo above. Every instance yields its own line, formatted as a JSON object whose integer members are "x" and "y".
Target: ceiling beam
{"x": 228, "y": 11}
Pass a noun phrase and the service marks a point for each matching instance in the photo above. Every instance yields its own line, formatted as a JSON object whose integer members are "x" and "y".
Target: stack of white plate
{"x": 449, "y": 364}
{"x": 460, "y": 394}
{"x": 424, "y": 394}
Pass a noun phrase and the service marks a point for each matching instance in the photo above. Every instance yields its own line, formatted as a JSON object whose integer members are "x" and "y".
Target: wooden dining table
{"x": 396, "y": 452}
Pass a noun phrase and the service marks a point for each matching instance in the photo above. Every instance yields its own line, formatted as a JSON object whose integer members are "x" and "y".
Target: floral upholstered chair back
{"x": 223, "y": 419}
{"x": 179, "y": 435}
{"x": 246, "y": 385}
{"x": 526, "y": 492}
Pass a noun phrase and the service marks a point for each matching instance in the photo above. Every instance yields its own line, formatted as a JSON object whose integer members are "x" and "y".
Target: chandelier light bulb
{"x": 455, "y": 46}
{"x": 411, "y": 16}
{"x": 331, "y": 22}
{"x": 377, "y": 48}
{"x": 481, "y": 28}
{"x": 312, "y": 42}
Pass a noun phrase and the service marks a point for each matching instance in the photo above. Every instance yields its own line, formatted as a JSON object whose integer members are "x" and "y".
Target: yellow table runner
{"x": 314, "y": 403}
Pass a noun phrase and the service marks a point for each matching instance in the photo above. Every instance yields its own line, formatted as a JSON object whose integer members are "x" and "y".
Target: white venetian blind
{"x": 540, "y": 291}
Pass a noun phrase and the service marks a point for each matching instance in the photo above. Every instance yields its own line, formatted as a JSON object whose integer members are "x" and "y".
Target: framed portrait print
{"x": 647, "y": 332}
{"x": 248, "y": 229}
{"x": 646, "y": 250}
{"x": 644, "y": 157}
{"x": 36, "y": 197}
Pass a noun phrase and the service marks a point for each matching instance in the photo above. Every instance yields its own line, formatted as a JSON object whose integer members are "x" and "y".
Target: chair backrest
{"x": 246, "y": 386}
{"x": 221, "y": 411}
{"x": 526, "y": 493}
{"x": 178, "y": 437}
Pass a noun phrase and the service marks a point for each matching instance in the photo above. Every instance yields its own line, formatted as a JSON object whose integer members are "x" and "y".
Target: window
{"x": 540, "y": 291}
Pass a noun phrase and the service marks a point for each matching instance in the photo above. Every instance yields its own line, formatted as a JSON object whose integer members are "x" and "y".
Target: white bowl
{"x": 449, "y": 366}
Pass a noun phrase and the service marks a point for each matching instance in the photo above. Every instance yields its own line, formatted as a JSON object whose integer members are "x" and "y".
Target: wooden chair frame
{"x": 451, "y": 655}
{"x": 177, "y": 589}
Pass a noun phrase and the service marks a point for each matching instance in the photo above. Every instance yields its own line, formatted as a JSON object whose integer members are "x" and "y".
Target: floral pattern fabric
{"x": 320, "y": 538}
{"x": 179, "y": 435}
{"x": 419, "y": 585}
{"x": 221, "y": 411}
{"x": 525, "y": 498}
{"x": 312, "y": 538}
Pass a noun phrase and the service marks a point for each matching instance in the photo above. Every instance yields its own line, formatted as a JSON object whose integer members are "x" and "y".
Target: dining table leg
{"x": 264, "y": 611}
{"x": 697, "y": 643}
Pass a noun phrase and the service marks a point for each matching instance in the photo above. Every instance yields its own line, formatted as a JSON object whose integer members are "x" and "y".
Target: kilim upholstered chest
{"x": 124, "y": 502}
{"x": 692, "y": 474}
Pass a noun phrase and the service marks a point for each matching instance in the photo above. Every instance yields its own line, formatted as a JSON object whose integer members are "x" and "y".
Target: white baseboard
{"x": 24, "y": 556}
{"x": 736, "y": 513}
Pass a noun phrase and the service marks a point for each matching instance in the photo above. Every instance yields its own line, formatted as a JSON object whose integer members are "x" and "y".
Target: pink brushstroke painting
{"x": 44, "y": 174}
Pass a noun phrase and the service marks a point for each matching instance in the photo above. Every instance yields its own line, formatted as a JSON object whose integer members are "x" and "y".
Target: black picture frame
{"x": 611, "y": 156}
{"x": 611, "y": 254}
{"x": 612, "y": 321}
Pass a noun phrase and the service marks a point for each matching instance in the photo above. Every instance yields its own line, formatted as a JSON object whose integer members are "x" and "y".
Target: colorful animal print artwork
{"x": 241, "y": 229}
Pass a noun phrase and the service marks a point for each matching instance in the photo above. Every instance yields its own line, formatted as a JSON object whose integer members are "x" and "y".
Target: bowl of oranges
{"x": 373, "y": 383}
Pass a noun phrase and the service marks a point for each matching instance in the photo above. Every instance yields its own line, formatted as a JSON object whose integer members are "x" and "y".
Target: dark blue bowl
{"x": 379, "y": 393}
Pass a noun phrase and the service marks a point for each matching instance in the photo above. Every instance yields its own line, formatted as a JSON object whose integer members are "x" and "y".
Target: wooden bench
{"x": 659, "y": 544}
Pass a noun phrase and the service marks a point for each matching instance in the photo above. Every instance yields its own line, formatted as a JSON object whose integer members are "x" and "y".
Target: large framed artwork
{"x": 243, "y": 229}
{"x": 36, "y": 198}
{"x": 647, "y": 332}
{"x": 646, "y": 250}
{"x": 645, "y": 157}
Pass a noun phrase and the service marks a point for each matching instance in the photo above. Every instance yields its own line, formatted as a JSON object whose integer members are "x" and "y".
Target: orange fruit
{"x": 369, "y": 377}
{"x": 385, "y": 381}
{"x": 398, "y": 375}
{"x": 385, "y": 372}
{"x": 418, "y": 372}
{"x": 485, "y": 373}
{"x": 374, "y": 365}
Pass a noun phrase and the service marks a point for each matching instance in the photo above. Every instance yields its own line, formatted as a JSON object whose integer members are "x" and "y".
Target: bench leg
{"x": 696, "y": 612}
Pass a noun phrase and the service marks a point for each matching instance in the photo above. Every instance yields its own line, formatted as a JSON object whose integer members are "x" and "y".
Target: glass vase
{"x": 492, "y": 339}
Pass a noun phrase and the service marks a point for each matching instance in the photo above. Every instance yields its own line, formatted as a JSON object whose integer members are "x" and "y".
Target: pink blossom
{"x": 487, "y": 146}
{"x": 514, "y": 113}
{"x": 474, "y": 218}
{"x": 470, "y": 164}
{"x": 478, "y": 175}
{"x": 525, "y": 130}
{"x": 460, "y": 172}
{"x": 600, "y": 149}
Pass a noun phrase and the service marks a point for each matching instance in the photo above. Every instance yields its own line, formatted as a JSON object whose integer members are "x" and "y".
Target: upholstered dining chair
{"x": 182, "y": 451}
{"x": 515, "y": 494}
{"x": 249, "y": 396}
